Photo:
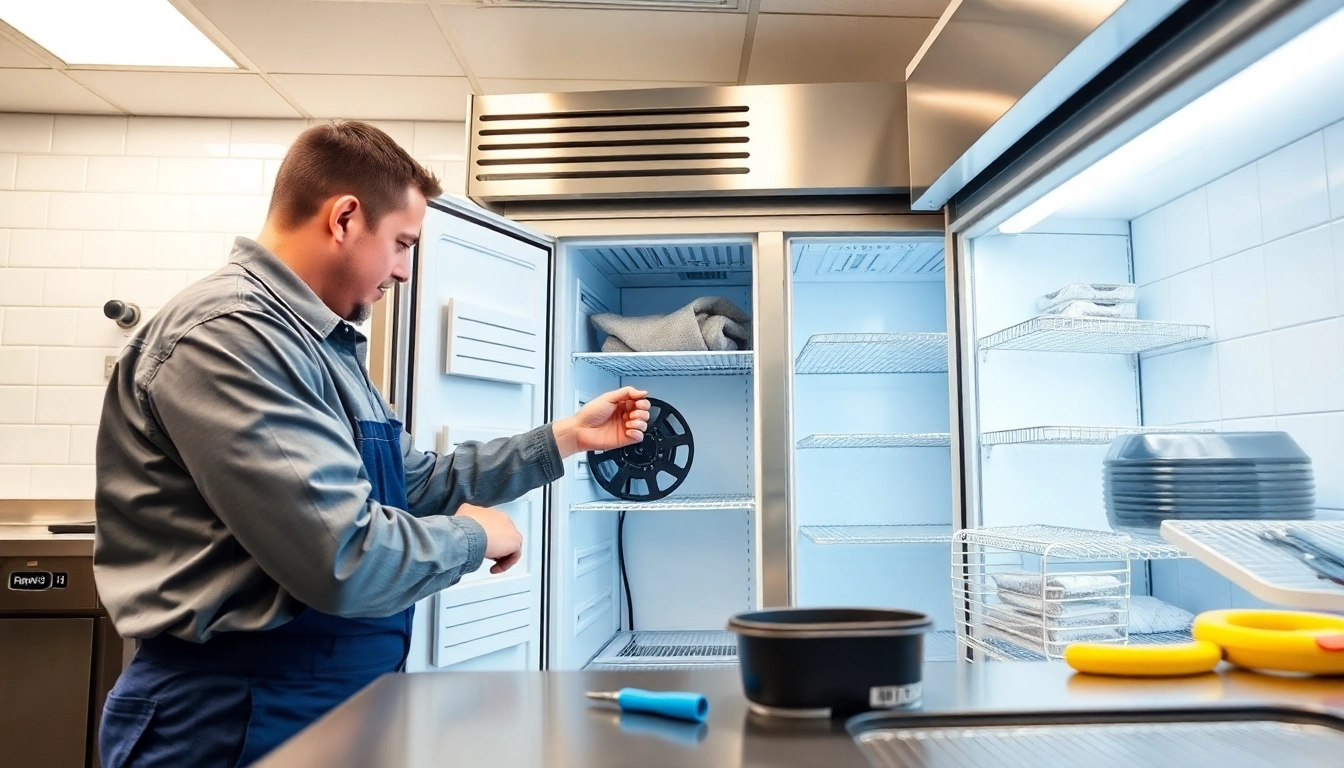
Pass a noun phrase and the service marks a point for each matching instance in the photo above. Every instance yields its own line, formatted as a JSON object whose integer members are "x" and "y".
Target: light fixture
{"x": 134, "y": 33}
{"x": 1314, "y": 49}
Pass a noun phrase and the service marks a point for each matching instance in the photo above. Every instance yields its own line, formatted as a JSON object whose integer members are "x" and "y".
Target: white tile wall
{"x": 1276, "y": 240}
{"x": 1300, "y": 274}
{"x": 1293, "y": 191}
{"x": 8, "y": 168}
{"x": 93, "y": 208}
{"x": 1334, "y": 161}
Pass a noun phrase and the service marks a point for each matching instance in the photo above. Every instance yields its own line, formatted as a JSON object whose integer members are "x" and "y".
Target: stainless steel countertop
{"x": 518, "y": 719}
{"x": 36, "y": 541}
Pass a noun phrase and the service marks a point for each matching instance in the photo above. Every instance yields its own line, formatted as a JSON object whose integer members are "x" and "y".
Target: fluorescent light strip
{"x": 133, "y": 33}
{"x": 1317, "y": 47}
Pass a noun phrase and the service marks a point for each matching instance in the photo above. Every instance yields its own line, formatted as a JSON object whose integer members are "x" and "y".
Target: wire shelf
{"x": 1070, "y": 543}
{"x": 670, "y": 363}
{"x": 1268, "y": 571}
{"x": 832, "y": 353}
{"x": 1071, "y": 435}
{"x": 940, "y": 646}
{"x": 895, "y": 440}
{"x": 669, "y": 504}
{"x": 609, "y": 667}
{"x": 877, "y": 534}
{"x": 1093, "y": 334}
{"x": 999, "y": 650}
{"x": 1161, "y": 638}
{"x": 667, "y": 648}
{"x": 1263, "y": 742}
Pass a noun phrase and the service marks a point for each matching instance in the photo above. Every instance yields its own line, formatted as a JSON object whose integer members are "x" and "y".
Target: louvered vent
{"x": 644, "y": 265}
{"x": 613, "y": 144}
{"x": 893, "y": 260}
{"x": 841, "y": 138}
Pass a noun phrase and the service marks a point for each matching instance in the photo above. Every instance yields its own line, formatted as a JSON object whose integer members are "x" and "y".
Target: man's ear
{"x": 342, "y": 211}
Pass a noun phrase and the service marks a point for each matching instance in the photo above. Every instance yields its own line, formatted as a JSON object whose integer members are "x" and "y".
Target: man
{"x": 264, "y": 527}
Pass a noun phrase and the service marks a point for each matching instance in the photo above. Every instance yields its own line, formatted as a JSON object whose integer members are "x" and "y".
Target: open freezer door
{"x": 479, "y": 361}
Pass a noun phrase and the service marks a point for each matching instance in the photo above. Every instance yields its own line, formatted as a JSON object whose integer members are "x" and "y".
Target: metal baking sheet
{"x": 1260, "y": 738}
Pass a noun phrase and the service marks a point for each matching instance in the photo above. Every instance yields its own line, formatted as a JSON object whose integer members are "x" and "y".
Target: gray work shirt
{"x": 230, "y": 491}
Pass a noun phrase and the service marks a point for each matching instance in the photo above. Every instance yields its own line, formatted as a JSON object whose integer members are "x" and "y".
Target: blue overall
{"x": 229, "y": 701}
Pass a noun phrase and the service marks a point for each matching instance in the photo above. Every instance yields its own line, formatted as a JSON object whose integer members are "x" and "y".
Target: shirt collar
{"x": 281, "y": 281}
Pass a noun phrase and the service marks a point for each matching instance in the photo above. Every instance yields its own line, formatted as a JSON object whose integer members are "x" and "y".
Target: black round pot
{"x": 817, "y": 662}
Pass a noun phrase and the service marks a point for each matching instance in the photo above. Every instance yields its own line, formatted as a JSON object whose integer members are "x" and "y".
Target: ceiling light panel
{"x": 690, "y": 5}
{"x": 131, "y": 33}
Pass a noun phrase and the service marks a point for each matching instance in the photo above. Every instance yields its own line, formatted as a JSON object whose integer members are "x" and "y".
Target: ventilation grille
{"x": 694, "y": 261}
{"x": 857, "y": 259}
{"x": 613, "y": 144}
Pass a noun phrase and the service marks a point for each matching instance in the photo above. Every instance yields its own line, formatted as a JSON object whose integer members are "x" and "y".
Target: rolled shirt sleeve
{"x": 243, "y": 398}
{"x": 483, "y": 474}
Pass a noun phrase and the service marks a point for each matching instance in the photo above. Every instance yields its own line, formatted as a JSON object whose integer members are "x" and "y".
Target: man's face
{"x": 375, "y": 260}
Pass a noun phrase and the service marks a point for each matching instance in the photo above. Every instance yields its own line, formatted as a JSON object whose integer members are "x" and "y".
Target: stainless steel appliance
{"x": 619, "y": 202}
{"x": 61, "y": 654}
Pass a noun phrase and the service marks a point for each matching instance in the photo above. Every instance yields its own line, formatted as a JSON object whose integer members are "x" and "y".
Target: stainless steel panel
{"x": 45, "y": 676}
{"x": 78, "y": 594}
{"x": 775, "y": 536}
{"x": 978, "y": 67}
{"x": 45, "y": 511}
{"x": 661, "y": 142}
{"x": 1195, "y": 59}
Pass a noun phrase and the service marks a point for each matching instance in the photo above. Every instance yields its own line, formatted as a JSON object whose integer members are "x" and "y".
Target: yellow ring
{"x": 1283, "y": 641}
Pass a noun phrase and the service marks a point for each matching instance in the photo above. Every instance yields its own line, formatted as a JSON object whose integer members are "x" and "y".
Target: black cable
{"x": 620, "y": 556}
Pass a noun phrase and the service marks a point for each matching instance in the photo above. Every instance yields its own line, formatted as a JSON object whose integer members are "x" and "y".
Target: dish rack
{"x": 1027, "y": 592}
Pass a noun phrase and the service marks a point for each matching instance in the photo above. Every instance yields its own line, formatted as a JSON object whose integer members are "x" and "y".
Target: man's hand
{"x": 614, "y": 420}
{"x": 503, "y": 542}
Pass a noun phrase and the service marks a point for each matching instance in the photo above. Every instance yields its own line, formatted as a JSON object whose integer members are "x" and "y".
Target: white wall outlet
{"x": 109, "y": 363}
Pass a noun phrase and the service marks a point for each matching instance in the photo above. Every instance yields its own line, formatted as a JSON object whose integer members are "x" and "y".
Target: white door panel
{"x": 480, "y": 373}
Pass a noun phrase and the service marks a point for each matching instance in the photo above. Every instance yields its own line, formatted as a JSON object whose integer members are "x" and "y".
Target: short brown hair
{"x": 346, "y": 158}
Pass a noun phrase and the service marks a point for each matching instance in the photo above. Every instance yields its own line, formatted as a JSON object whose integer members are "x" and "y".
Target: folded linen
{"x": 708, "y": 324}
{"x": 1063, "y": 586}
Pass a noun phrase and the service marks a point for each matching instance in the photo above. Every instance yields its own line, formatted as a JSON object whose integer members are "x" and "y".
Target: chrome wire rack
{"x": 678, "y": 649}
{"x": 891, "y": 440}
{"x": 1070, "y": 435}
{"x": 1093, "y": 335}
{"x": 670, "y": 363}
{"x": 877, "y": 534}
{"x": 669, "y": 504}
{"x": 837, "y": 353}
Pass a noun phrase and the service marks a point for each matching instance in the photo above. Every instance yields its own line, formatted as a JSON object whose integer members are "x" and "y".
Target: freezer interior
{"x": 872, "y": 462}
{"x": 1228, "y": 218}
{"x": 688, "y": 557}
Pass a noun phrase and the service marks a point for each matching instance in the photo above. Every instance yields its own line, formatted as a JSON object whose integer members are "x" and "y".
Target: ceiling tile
{"x": 925, "y": 8}
{"x": 195, "y": 94}
{"x": 46, "y": 90}
{"x": 379, "y": 97}
{"x": 493, "y": 86}
{"x": 308, "y": 37}
{"x": 834, "y": 49}
{"x": 14, "y": 56}
{"x": 582, "y": 44}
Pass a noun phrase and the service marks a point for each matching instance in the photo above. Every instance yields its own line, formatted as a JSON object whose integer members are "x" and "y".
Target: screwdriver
{"x": 681, "y": 706}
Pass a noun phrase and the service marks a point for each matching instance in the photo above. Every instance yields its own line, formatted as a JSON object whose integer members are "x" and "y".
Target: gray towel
{"x": 708, "y": 324}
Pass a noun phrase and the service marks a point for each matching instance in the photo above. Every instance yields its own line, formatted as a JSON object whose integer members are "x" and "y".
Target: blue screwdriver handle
{"x": 682, "y": 706}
